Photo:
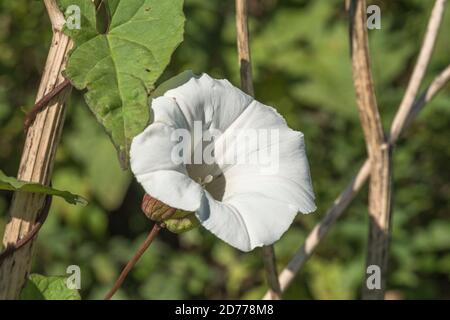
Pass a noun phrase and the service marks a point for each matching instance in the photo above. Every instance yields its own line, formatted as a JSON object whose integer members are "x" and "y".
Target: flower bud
{"x": 176, "y": 221}
{"x": 156, "y": 210}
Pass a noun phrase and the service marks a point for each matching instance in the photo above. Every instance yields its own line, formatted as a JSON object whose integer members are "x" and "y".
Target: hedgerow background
{"x": 301, "y": 66}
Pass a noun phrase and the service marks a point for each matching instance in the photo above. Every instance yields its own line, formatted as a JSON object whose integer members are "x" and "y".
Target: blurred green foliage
{"x": 301, "y": 66}
{"x": 39, "y": 287}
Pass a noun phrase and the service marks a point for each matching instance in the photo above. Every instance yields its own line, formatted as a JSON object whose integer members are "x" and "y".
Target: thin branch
{"x": 438, "y": 83}
{"x": 420, "y": 68}
{"x": 345, "y": 198}
{"x": 247, "y": 85}
{"x": 144, "y": 246}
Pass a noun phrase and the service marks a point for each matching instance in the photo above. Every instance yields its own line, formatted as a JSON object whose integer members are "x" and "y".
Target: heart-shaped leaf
{"x": 120, "y": 67}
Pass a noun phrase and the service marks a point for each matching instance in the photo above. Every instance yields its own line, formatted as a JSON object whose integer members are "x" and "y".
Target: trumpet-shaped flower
{"x": 233, "y": 161}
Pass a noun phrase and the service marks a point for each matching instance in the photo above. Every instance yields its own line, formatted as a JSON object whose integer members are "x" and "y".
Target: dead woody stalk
{"x": 37, "y": 160}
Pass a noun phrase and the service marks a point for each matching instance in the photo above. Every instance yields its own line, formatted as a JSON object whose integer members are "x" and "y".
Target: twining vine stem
{"x": 43, "y": 102}
{"x": 144, "y": 246}
{"x": 42, "y": 216}
{"x": 37, "y": 160}
{"x": 43, "y": 213}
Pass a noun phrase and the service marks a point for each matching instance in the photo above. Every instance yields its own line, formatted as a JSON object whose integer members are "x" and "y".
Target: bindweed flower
{"x": 230, "y": 160}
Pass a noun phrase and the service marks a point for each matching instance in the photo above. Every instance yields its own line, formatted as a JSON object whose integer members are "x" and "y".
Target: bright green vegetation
{"x": 301, "y": 66}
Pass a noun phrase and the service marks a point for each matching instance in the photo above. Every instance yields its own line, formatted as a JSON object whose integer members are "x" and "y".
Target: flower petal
{"x": 152, "y": 164}
{"x": 217, "y": 103}
{"x": 258, "y": 203}
{"x": 246, "y": 221}
{"x": 275, "y": 166}
{"x": 167, "y": 111}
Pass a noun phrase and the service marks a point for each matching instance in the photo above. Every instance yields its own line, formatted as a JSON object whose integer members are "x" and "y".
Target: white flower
{"x": 238, "y": 202}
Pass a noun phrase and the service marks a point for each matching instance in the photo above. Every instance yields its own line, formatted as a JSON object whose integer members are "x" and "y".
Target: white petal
{"x": 285, "y": 176}
{"x": 151, "y": 163}
{"x": 167, "y": 111}
{"x": 172, "y": 188}
{"x": 246, "y": 221}
{"x": 217, "y": 103}
{"x": 259, "y": 205}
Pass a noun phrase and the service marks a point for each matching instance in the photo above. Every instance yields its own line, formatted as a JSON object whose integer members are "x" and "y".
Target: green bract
{"x": 120, "y": 67}
{"x": 182, "y": 221}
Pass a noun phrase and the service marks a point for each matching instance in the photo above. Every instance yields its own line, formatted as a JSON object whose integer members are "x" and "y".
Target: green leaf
{"x": 39, "y": 287}
{"x": 12, "y": 184}
{"x": 109, "y": 184}
{"x": 120, "y": 67}
{"x": 173, "y": 82}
